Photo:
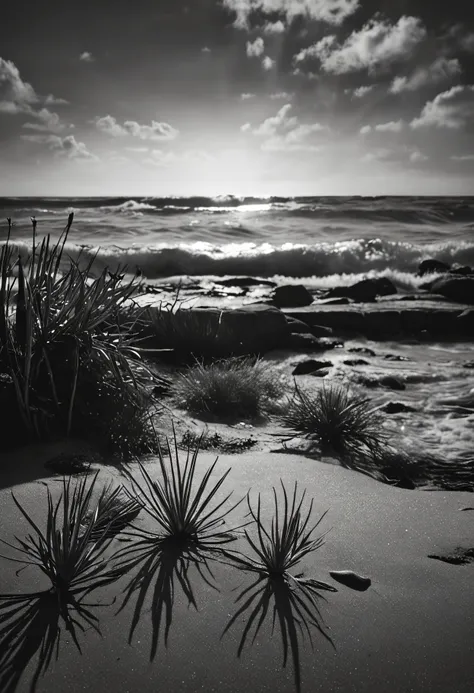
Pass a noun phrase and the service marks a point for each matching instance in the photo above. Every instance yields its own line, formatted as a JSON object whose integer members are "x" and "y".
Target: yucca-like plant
{"x": 237, "y": 388}
{"x": 71, "y": 550}
{"x": 340, "y": 421}
{"x": 64, "y": 325}
{"x": 113, "y": 511}
{"x": 182, "y": 508}
{"x": 290, "y": 538}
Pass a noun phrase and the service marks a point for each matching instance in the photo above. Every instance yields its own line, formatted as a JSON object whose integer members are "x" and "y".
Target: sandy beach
{"x": 412, "y": 630}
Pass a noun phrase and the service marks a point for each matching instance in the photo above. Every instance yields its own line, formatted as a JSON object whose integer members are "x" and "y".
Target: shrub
{"x": 66, "y": 334}
{"x": 235, "y": 388}
{"x": 341, "y": 422}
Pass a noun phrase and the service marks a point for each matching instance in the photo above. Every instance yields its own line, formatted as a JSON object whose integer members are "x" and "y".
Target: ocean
{"x": 325, "y": 240}
{"x": 321, "y": 242}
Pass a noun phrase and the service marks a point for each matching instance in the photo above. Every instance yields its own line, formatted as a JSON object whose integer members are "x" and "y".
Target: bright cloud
{"x": 442, "y": 69}
{"x": 329, "y": 11}
{"x": 46, "y": 122}
{"x": 256, "y": 48}
{"x": 267, "y": 63}
{"x": 283, "y": 95}
{"x": 67, "y": 146}
{"x": 86, "y": 57}
{"x": 16, "y": 96}
{"x": 392, "y": 126}
{"x": 451, "y": 109}
{"x": 247, "y": 96}
{"x": 417, "y": 157}
{"x": 360, "y": 92}
{"x": 273, "y": 27}
{"x": 156, "y": 131}
{"x": 284, "y": 132}
{"x": 374, "y": 47}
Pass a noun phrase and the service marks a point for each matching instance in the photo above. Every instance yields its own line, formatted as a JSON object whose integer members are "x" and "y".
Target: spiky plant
{"x": 288, "y": 540}
{"x": 71, "y": 550}
{"x": 237, "y": 388}
{"x": 113, "y": 510}
{"x": 182, "y": 508}
{"x": 340, "y": 421}
{"x": 65, "y": 326}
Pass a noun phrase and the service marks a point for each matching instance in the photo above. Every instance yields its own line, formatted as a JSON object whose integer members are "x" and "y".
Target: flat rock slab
{"x": 389, "y": 317}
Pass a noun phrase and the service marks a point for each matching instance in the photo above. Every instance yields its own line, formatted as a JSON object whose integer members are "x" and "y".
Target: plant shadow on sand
{"x": 293, "y": 608}
{"x": 161, "y": 568}
{"x": 32, "y": 626}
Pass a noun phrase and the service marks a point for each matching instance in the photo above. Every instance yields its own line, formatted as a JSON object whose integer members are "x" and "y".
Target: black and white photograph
{"x": 236, "y": 346}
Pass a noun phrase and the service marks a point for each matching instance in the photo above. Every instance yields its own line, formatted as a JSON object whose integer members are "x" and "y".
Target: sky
{"x": 245, "y": 97}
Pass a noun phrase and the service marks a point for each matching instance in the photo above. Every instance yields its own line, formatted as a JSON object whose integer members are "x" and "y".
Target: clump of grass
{"x": 59, "y": 337}
{"x": 284, "y": 544}
{"x": 184, "y": 510}
{"x": 341, "y": 422}
{"x": 71, "y": 550}
{"x": 235, "y": 388}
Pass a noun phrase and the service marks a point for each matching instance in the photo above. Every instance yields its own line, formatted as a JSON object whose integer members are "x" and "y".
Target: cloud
{"x": 86, "y": 57}
{"x": 16, "y": 96}
{"x": 451, "y": 109}
{"x": 156, "y": 131}
{"x": 380, "y": 154}
{"x": 206, "y": 49}
{"x": 284, "y": 132}
{"x": 67, "y": 146}
{"x": 256, "y": 48}
{"x": 329, "y": 11}
{"x": 417, "y": 157}
{"x": 19, "y": 97}
{"x": 267, "y": 63}
{"x": 463, "y": 157}
{"x": 247, "y": 96}
{"x": 374, "y": 47}
{"x": 283, "y": 95}
{"x": 392, "y": 126}
{"x": 51, "y": 100}
{"x": 360, "y": 92}
{"x": 274, "y": 27}
{"x": 47, "y": 122}
{"x": 440, "y": 70}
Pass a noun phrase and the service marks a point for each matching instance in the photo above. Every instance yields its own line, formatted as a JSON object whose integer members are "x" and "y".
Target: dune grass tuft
{"x": 288, "y": 540}
{"x": 341, "y": 422}
{"x": 235, "y": 388}
{"x": 71, "y": 550}
{"x": 64, "y": 338}
{"x": 184, "y": 509}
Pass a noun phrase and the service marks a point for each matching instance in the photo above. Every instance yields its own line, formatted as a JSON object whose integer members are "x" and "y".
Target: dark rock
{"x": 308, "y": 342}
{"x": 351, "y": 579}
{"x": 364, "y": 291}
{"x": 465, "y": 321}
{"x": 289, "y": 296}
{"x": 355, "y": 362}
{"x": 468, "y": 364}
{"x": 66, "y": 463}
{"x": 310, "y": 366}
{"x": 251, "y": 329}
{"x": 362, "y": 350}
{"x": 320, "y": 374}
{"x": 297, "y": 326}
{"x": 321, "y": 331}
{"x": 243, "y": 282}
{"x": 397, "y": 408}
{"x": 432, "y": 267}
{"x": 459, "y": 556}
{"x": 461, "y": 270}
{"x": 392, "y": 382}
{"x": 396, "y": 357}
{"x": 459, "y": 289}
